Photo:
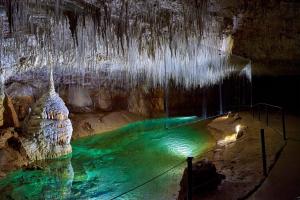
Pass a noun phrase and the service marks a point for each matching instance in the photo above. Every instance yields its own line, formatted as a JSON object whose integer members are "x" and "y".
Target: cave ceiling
{"x": 116, "y": 38}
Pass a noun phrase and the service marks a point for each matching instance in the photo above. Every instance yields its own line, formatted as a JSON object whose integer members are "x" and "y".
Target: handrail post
{"x": 263, "y": 149}
{"x": 283, "y": 125}
{"x": 267, "y": 113}
{"x": 190, "y": 178}
{"x": 259, "y": 112}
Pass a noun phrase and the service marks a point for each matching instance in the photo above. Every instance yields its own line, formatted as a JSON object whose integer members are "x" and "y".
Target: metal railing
{"x": 264, "y": 109}
{"x": 258, "y": 111}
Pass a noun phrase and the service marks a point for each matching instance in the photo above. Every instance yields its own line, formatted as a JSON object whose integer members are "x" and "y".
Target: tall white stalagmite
{"x": 51, "y": 82}
{"x": 47, "y": 129}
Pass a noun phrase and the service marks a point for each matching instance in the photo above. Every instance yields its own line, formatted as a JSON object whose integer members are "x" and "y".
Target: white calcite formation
{"x": 187, "y": 43}
{"x": 47, "y": 129}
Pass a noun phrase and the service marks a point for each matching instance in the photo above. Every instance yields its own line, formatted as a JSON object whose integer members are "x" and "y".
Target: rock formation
{"x": 8, "y": 115}
{"x": 11, "y": 118}
{"x": 79, "y": 100}
{"x": 22, "y": 96}
{"x": 205, "y": 178}
{"x": 146, "y": 102}
{"x": 103, "y": 100}
{"x": 11, "y": 154}
{"x": 47, "y": 130}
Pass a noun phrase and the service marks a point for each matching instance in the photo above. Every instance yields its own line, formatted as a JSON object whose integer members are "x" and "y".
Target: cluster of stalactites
{"x": 115, "y": 23}
{"x": 158, "y": 40}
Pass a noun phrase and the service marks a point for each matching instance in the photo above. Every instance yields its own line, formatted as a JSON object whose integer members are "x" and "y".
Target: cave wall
{"x": 265, "y": 31}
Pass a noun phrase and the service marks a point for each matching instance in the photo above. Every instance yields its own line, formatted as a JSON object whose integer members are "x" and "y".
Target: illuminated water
{"x": 107, "y": 165}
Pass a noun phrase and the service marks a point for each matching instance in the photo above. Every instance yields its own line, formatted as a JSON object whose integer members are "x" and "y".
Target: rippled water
{"x": 108, "y": 165}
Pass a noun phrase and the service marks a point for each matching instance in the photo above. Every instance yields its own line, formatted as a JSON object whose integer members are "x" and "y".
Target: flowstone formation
{"x": 47, "y": 129}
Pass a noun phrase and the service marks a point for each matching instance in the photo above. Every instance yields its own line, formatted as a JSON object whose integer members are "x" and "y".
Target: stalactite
{"x": 125, "y": 41}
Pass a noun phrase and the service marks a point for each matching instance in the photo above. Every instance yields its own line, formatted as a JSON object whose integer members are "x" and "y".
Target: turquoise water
{"x": 107, "y": 165}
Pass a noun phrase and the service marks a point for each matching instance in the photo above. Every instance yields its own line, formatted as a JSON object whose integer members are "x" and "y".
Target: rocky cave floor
{"x": 240, "y": 161}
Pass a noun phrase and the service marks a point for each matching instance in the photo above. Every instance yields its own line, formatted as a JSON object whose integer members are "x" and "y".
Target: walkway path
{"x": 283, "y": 182}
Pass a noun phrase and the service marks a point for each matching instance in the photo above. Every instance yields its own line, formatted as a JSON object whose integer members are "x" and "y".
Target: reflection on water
{"x": 105, "y": 166}
{"x": 53, "y": 182}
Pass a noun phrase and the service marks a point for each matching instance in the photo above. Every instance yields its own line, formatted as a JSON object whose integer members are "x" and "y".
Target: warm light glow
{"x": 228, "y": 139}
{"x": 224, "y": 117}
{"x": 237, "y": 128}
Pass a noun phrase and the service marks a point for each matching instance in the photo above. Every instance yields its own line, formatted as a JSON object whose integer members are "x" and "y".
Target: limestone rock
{"x": 11, "y": 155}
{"x": 22, "y": 96}
{"x": 79, "y": 99}
{"x": 146, "y": 103}
{"x": 236, "y": 117}
{"x": 205, "y": 178}
{"x": 104, "y": 100}
{"x": 240, "y": 131}
{"x": 5, "y": 134}
{"x": 85, "y": 124}
{"x": 47, "y": 129}
{"x": 137, "y": 103}
{"x": 11, "y": 118}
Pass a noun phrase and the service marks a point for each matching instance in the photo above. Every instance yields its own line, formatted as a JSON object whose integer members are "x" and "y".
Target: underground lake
{"x": 142, "y": 160}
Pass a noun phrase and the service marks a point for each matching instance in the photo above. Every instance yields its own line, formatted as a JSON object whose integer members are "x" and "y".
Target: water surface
{"x": 108, "y": 165}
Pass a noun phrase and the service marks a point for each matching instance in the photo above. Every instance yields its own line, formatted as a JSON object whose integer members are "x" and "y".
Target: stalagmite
{"x": 47, "y": 129}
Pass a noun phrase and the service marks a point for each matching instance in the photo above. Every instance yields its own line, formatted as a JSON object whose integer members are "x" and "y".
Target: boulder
{"x": 47, "y": 130}
{"x": 205, "y": 178}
